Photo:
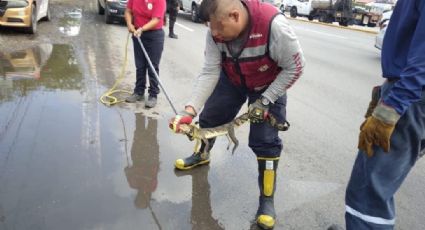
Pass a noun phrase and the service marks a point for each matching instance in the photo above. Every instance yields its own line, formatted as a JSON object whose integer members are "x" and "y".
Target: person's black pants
{"x": 153, "y": 41}
{"x": 173, "y": 11}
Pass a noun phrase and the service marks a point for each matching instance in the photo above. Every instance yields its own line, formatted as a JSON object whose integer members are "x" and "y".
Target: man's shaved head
{"x": 226, "y": 18}
{"x": 217, "y": 8}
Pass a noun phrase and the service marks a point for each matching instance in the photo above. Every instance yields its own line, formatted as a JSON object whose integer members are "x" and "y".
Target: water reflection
{"x": 142, "y": 175}
{"x": 24, "y": 64}
{"x": 143, "y": 172}
{"x": 201, "y": 213}
{"x": 41, "y": 68}
{"x": 21, "y": 65}
{"x": 70, "y": 24}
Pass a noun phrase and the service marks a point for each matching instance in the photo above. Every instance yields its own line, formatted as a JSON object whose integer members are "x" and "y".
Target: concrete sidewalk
{"x": 371, "y": 30}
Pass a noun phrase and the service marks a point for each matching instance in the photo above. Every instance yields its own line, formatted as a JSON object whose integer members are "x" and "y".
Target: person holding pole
{"x": 144, "y": 20}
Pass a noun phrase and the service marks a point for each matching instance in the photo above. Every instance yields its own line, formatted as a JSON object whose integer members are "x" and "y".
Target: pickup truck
{"x": 327, "y": 11}
{"x": 299, "y": 8}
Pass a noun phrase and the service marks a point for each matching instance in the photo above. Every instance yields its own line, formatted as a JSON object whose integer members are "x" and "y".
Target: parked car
{"x": 23, "y": 13}
{"x": 192, "y": 7}
{"x": 383, "y": 28}
{"x": 112, "y": 9}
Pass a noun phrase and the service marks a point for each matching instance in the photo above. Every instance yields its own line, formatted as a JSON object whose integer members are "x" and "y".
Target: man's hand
{"x": 258, "y": 111}
{"x": 183, "y": 117}
{"x": 377, "y": 129}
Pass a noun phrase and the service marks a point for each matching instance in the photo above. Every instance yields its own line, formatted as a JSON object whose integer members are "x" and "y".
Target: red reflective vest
{"x": 253, "y": 67}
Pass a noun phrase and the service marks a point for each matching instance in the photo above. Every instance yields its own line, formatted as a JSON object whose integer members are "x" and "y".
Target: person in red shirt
{"x": 144, "y": 19}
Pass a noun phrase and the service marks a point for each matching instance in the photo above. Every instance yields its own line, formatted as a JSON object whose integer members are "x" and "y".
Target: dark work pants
{"x": 224, "y": 104}
{"x": 369, "y": 197}
{"x": 153, "y": 41}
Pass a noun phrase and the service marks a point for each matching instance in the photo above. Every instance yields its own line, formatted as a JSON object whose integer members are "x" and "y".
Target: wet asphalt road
{"x": 69, "y": 162}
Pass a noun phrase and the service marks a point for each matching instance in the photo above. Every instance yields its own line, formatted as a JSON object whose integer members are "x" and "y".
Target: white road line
{"x": 326, "y": 34}
{"x": 184, "y": 27}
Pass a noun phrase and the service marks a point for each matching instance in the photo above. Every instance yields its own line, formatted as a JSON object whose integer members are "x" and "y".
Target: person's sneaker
{"x": 151, "y": 102}
{"x": 134, "y": 97}
{"x": 173, "y": 36}
{"x": 194, "y": 160}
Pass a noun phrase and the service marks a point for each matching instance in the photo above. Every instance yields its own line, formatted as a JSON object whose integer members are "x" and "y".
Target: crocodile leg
{"x": 232, "y": 136}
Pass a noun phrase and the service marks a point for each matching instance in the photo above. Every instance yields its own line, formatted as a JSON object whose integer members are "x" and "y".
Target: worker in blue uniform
{"x": 393, "y": 135}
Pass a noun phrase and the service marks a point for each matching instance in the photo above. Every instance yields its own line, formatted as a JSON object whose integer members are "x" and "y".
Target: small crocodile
{"x": 194, "y": 132}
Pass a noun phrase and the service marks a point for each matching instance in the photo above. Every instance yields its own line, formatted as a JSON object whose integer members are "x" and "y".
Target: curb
{"x": 332, "y": 25}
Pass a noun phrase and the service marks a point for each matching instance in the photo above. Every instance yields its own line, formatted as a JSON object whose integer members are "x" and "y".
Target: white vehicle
{"x": 280, "y": 4}
{"x": 383, "y": 28}
{"x": 287, "y": 4}
{"x": 300, "y": 8}
{"x": 192, "y": 7}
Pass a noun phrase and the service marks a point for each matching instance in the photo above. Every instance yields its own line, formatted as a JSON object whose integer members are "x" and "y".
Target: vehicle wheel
{"x": 108, "y": 17}
{"x": 323, "y": 17}
{"x": 32, "y": 29}
{"x": 100, "y": 9}
{"x": 310, "y": 17}
{"x": 282, "y": 8}
{"x": 343, "y": 23}
{"x": 357, "y": 22}
{"x": 293, "y": 12}
{"x": 370, "y": 24}
{"x": 194, "y": 14}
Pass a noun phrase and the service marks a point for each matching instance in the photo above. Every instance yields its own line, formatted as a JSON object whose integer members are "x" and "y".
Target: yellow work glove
{"x": 377, "y": 129}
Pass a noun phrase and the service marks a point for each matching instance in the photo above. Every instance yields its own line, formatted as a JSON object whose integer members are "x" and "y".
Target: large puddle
{"x": 68, "y": 162}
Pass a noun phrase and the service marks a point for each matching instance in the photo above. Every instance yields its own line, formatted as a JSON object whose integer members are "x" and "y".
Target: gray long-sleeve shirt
{"x": 284, "y": 49}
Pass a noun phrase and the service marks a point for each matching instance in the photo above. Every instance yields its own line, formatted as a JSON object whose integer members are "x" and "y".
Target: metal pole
{"x": 156, "y": 75}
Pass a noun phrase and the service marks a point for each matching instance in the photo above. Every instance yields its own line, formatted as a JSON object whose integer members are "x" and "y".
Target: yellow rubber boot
{"x": 192, "y": 161}
{"x": 266, "y": 216}
{"x": 201, "y": 156}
